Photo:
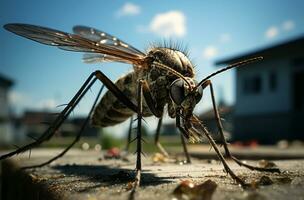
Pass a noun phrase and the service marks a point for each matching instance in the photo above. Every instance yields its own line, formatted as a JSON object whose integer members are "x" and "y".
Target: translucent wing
{"x": 105, "y": 38}
{"x": 97, "y": 58}
{"x": 78, "y": 42}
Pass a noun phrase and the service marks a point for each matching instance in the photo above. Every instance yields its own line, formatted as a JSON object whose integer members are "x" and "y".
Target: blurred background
{"x": 260, "y": 104}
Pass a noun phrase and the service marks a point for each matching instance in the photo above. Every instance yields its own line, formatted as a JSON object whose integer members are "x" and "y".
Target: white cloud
{"x": 128, "y": 9}
{"x": 210, "y": 52}
{"x": 172, "y": 23}
{"x": 272, "y": 32}
{"x": 225, "y": 38}
{"x": 288, "y": 25}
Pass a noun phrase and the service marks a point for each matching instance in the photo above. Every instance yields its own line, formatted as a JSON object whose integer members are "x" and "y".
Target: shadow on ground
{"x": 105, "y": 176}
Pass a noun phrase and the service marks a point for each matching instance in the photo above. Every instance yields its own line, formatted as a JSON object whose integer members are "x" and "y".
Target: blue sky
{"x": 46, "y": 76}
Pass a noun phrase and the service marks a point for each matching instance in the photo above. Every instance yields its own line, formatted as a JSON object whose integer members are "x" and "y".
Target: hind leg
{"x": 76, "y": 138}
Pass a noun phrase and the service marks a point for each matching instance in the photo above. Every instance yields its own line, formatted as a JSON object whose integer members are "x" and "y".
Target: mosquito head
{"x": 173, "y": 58}
{"x": 184, "y": 96}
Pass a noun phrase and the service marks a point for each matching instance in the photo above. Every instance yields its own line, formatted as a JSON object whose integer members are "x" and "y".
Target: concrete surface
{"x": 86, "y": 175}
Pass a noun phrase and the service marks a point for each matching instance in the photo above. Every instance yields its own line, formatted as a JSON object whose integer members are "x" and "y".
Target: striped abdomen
{"x": 110, "y": 110}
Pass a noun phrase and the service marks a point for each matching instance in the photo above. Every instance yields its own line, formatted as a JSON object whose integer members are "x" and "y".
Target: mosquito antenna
{"x": 176, "y": 73}
{"x": 238, "y": 64}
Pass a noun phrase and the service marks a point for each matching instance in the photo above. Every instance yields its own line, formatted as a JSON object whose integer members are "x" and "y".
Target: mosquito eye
{"x": 199, "y": 94}
{"x": 177, "y": 91}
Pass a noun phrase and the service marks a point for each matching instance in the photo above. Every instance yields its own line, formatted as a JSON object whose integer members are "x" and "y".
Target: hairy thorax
{"x": 111, "y": 111}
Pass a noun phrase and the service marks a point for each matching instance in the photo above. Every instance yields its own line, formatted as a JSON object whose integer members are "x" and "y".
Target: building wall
{"x": 5, "y": 126}
{"x": 4, "y": 108}
{"x": 267, "y": 100}
{"x": 265, "y": 128}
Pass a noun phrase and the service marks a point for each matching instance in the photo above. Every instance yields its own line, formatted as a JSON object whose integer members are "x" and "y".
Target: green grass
{"x": 108, "y": 141}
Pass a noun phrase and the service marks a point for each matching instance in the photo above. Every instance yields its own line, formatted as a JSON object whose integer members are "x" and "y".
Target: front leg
{"x": 183, "y": 132}
{"x": 138, "y": 137}
{"x": 152, "y": 104}
{"x": 224, "y": 142}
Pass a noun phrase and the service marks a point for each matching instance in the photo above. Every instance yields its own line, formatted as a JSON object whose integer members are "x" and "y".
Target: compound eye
{"x": 177, "y": 91}
{"x": 199, "y": 94}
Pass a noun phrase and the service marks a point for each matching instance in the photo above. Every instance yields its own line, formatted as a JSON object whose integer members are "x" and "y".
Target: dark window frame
{"x": 252, "y": 84}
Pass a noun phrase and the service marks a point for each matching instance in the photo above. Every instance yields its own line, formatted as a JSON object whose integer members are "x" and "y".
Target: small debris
{"x": 112, "y": 153}
{"x": 265, "y": 180}
{"x": 187, "y": 190}
{"x": 130, "y": 185}
{"x": 159, "y": 158}
{"x": 267, "y": 164}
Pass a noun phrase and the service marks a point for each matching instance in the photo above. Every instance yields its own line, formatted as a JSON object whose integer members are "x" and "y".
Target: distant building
{"x": 226, "y": 114}
{"x": 6, "y": 133}
{"x": 36, "y": 123}
{"x": 270, "y": 93}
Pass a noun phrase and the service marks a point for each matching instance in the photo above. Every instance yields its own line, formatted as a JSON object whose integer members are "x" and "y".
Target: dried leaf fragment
{"x": 159, "y": 158}
{"x": 188, "y": 190}
{"x": 267, "y": 164}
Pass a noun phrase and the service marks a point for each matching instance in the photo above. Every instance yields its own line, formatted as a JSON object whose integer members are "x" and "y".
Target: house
{"x": 6, "y": 133}
{"x": 270, "y": 93}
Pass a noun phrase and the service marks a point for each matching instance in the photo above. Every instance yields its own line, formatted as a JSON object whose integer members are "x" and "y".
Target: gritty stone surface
{"x": 87, "y": 175}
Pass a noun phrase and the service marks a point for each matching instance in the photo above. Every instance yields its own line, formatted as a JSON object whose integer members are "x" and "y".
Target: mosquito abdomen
{"x": 110, "y": 110}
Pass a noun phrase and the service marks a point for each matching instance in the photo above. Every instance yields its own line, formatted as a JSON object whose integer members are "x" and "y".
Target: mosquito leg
{"x": 221, "y": 157}
{"x": 75, "y": 140}
{"x": 157, "y": 111}
{"x": 183, "y": 132}
{"x": 220, "y": 127}
{"x": 138, "y": 137}
{"x": 58, "y": 121}
{"x": 157, "y": 143}
{"x": 71, "y": 105}
{"x": 129, "y": 135}
{"x": 115, "y": 90}
{"x": 217, "y": 117}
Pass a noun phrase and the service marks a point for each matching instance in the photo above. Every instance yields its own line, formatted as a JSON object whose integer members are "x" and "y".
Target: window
{"x": 272, "y": 81}
{"x": 252, "y": 85}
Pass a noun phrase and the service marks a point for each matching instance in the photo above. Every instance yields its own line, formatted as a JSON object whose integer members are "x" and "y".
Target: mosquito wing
{"x": 105, "y": 38}
{"x": 91, "y": 58}
{"x": 108, "y": 47}
{"x": 102, "y": 37}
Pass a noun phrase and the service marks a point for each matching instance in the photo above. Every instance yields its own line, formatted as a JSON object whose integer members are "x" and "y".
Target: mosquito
{"x": 162, "y": 80}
